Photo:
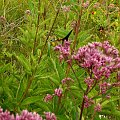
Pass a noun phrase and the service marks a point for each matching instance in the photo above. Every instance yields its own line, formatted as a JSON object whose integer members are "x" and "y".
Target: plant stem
{"x": 32, "y": 76}
{"x": 77, "y": 27}
{"x": 37, "y": 28}
{"x": 76, "y": 77}
{"x": 26, "y": 90}
{"x": 43, "y": 48}
{"x": 82, "y": 107}
{"x": 85, "y": 93}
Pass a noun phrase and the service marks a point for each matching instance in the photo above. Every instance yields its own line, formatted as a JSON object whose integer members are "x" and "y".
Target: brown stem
{"x": 85, "y": 93}
{"x": 44, "y": 16}
{"x": 65, "y": 21}
{"x": 82, "y": 107}
{"x": 35, "y": 40}
{"x": 77, "y": 27}
{"x": 26, "y": 90}
{"x": 37, "y": 28}
{"x": 59, "y": 102}
{"x": 43, "y": 48}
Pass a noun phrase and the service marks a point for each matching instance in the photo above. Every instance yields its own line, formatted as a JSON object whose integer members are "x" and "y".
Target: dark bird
{"x": 66, "y": 37}
{"x": 54, "y": 42}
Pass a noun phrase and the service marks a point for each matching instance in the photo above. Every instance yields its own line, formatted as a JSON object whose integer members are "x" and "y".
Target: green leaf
{"x": 115, "y": 113}
{"x": 5, "y": 67}
{"x": 43, "y": 106}
{"x": 21, "y": 88}
{"x": 30, "y": 100}
{"x": 25, "y": 63}
{"x": 8, "y": 92}
{"x": 41, "y": 91}
{"x": 49, "y": 47}
{"x": 111, "y": 100}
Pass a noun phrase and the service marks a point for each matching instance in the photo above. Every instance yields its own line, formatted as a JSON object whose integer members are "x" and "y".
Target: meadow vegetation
{"x": 43, "y": 76}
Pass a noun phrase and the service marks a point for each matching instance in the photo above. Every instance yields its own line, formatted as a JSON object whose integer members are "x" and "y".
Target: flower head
{"x": 2, "y": 19}
{"x": 86, "y": 4}
{"x": 28, "y": 12}
{"x": 88, "y": 101}
{"x": 26, "y": 115}
{"x": 64, "y": 50}
{"x": 67, "y": 80}
{"x": 98, "y": 108}
{"x": 103, "y": 87}
{"x": 101, "y": 58}
{"x": 48, "y": 97}
{"x": 58, "y": 92}
{"x": 66, "y": 8}
{"x": 50, "y": 116}
{"x": 89, "y": 82}
{"x": 5, "y": 115}
{"x": 96, "y": 5}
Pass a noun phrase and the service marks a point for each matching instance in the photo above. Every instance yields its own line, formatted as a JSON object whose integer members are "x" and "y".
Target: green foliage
{"x": 29, "y": 66}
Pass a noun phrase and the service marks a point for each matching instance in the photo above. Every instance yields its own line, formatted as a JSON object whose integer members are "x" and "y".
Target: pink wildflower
{"x": 86, "y": 4}
{"x": 117, "y": 84}
{"x": 96, "y": 5}
{"x": 103, "y": 87}
{"x": 66, "y": 8}
{"x": 87, "y": 101}
{"x": 58, "y": 92}
{"x": 26, "y": 115}
{"x": 66, "y": 80}
{"x": 98, "y": 108}
{"x": 89, "y": 82}
{"x": 63, "y": 50}
{"x": 28, "y": 12}
{"x": 118, "y": 76}
{"x": 108, "y": 96}
{"x": 50, "y": 116}
{"x": 48, "y": 97}
{"x": 101, "y": 58}
{"x": 5, "y": 115}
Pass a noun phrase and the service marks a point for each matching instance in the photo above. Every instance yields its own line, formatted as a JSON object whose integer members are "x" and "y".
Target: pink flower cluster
{"x": 6, "y": 115}
{"x": 25, "y": 115}
{"x": 98, "y": 108}
{"x": 48, "y": 97}
{"x": 64, "y": 50}
{"x": 86, "y": 4}
{"x": 67, "y": 80}
{"x": 101, "y": 59}
{"x": 66, "y": 8}
{"x": 57, "y": 92}
{"x": 89, "y": 82}
{"x": 103, "y": 87}
{"x": 87, "y": 101}
{"x": 50, "y": 116}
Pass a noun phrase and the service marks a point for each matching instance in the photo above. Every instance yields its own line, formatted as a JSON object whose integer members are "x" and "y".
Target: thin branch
{"x": 37, "y": 28}
{"x": 43, "y": 48}
{"x": 77, "y": 27}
